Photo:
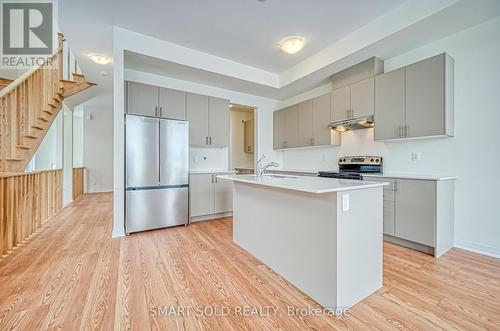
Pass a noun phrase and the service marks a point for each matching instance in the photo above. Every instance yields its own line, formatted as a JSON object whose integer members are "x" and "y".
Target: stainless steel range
{"x": 353, "y": 167}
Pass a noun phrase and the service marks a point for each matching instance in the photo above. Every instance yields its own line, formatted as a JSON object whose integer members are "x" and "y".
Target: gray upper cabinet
{"x": 291, "y": 126}
{"x": 208, "y": 120}
{"x": 389, "y": 105}
{"x": 341, "y": 104}
{"x": 425, "y": 97}
{"x": 142, "y": 99}
{"x": 419, "y": 97}
{"x": 197, "y": 115}
{"x": 279, "y": 129}
{"x": 305, "y": 123}
{"x": 218, "y": 122}
{"x": 363, "y": 98}
{"x": 172, "y": 104}
{"x": 416, "y": 211}
{"x": 322, "y": 134}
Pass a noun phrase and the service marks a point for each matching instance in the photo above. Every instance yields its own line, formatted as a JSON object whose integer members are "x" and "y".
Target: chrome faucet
{"x": 259, "y": 171}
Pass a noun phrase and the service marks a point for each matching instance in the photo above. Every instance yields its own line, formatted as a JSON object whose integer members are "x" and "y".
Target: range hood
{"x": 363, "y": 122}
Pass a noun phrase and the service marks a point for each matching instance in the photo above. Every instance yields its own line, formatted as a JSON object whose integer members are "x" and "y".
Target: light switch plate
{"x": 345, "y": 202}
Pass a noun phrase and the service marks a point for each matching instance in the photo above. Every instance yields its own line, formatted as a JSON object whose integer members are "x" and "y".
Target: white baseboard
{"x": 100, "y": 190}
{"x": 478, "y": 248}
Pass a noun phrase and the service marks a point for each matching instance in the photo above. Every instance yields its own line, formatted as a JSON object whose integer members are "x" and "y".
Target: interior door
{"x": 174, "y": 157}
{"x": 341, "y": 103}
{"x": 141, "y": 141}
{"x": 142, "y": 99}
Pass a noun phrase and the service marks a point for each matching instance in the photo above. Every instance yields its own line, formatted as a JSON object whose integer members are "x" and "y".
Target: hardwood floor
{"x": 73, "y": 276}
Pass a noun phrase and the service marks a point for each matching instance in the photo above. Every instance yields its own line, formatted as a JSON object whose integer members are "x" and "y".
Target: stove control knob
{"x": 377, "y": 160}
{"x": 372, "y": 160}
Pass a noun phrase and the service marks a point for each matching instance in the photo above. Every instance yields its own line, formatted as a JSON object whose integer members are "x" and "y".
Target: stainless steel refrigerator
{"x": 156, "y": 170}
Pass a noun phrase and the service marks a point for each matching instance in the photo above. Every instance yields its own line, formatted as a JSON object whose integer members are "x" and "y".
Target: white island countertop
{"x": 304, "y": 183}
{"x": 367, "y": 175}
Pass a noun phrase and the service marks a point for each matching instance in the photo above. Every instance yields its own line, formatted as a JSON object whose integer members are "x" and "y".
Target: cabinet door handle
{"x": 206, "y": 140}
{"x": 400, "y": 131}
{"x": 159, "y": 113}
{"x": 347, "y": 113}
{"x": 156, "y": 111}
{"x": 212, "y": 178}
{"x": 407, "y": 131}
{"x": 210, "y": 140}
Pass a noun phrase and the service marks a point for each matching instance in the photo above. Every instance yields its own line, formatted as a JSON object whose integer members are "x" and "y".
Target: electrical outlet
{"x": 415, "y": 156}
{"x": 345, "y": 202}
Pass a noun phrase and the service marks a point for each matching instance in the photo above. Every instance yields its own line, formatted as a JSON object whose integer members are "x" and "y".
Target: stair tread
{"x": 14, "y": 158}
{"x": 23, "y": 146}
{"x": 39, "y": 127}
{"x": 29, "y": 135}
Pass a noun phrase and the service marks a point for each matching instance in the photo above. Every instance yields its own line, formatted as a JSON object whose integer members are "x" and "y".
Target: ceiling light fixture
{"x": 292, "y": 44}
{"x": 99, "y": 58}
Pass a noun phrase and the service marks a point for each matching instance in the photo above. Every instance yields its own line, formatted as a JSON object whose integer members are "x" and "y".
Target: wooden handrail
{"x": 28, "y": 201}
{"x": 30, "y": 72}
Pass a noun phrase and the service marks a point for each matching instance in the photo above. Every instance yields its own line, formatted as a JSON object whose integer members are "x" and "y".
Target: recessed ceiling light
{"x": 99, "y": 58}
{"x": 292, "y": 44}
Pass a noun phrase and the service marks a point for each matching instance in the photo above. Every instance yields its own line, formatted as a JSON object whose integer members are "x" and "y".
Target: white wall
{"x": 49, "y": 154}
{"x": 473, "y": 154}
{"x": 98, "y": 148}
{"x": 202, "y": 159}
{"x": 77, "y": 138}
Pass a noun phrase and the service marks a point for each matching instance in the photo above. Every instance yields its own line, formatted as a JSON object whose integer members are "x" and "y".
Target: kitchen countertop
{"x": 304, "y": 183}
{"x": 194, "y": 172}
{"x": 383, "y": 175}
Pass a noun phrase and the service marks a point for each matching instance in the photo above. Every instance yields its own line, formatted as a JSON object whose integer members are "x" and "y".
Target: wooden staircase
{"x": 29, "y": 105}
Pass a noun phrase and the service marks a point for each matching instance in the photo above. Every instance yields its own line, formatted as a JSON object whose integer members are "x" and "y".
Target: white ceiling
{"x": 246, "y": 32}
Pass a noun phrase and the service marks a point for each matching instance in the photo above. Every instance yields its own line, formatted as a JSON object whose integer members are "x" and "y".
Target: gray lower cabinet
{"x": 201, "y": 194}
{"x": 389, "y": 105}
{"x": 419, "y": 213}
{"x": 415, "y": 101}
{"x": 209, "y": 196}
{"x": 172, "y": 104}
{"x": 223, "y": 200}
{"x": 208, "y": 120}
{"x": 416, "y": 211}
{"x": 142, "y": 99}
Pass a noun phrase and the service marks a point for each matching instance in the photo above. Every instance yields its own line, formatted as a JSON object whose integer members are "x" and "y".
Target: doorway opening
{"x": 243, "y": 128}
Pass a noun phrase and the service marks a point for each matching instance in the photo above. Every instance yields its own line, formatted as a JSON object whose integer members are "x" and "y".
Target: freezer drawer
{"x": 154, "y": 208}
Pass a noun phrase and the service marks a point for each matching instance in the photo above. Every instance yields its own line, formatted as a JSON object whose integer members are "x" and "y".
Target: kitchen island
{"x": 322, "y": 235}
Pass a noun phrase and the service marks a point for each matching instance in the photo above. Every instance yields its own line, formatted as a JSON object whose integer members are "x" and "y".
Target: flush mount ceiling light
{"x": 99, "y": 58}
{"x": 292, "y": 44}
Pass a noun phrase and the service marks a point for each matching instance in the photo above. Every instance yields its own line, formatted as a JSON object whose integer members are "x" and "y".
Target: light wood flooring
{"x": 73, "y": 276}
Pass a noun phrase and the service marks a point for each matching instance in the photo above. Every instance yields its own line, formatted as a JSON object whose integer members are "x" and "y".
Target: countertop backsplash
{"x": 212, "y": 159}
